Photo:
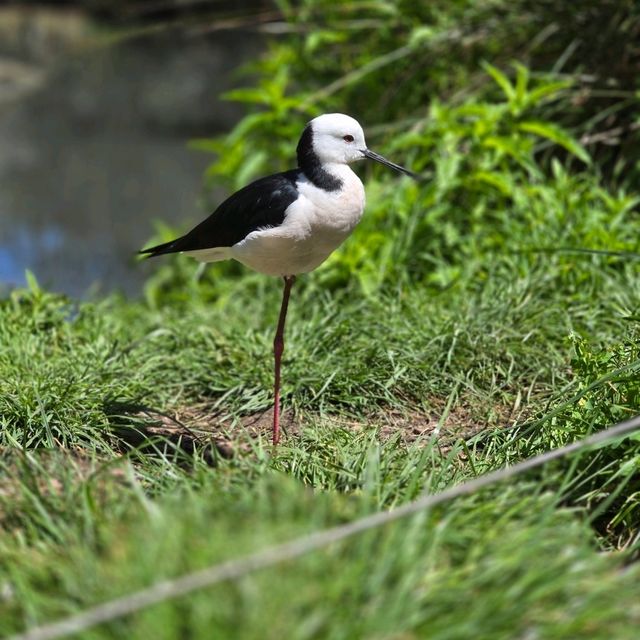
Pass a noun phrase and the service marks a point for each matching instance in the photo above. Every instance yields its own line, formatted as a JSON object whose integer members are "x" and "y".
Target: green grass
{"x": 83, "y": 522}
{"x": 449, "y": 574}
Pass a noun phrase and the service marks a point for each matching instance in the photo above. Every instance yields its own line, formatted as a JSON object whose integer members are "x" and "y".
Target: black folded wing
{"x": 260, "y": 204}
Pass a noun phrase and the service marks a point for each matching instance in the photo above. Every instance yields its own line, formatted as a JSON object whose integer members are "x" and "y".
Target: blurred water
{"x": 95, "y": 151}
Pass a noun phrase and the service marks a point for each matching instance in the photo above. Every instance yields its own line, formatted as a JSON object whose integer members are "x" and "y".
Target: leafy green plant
{"x": 500, "y": 145}
{"x": 482, "y": 186}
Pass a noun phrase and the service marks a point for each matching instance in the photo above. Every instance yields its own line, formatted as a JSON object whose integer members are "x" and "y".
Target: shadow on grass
{"x": 152, "y": 432}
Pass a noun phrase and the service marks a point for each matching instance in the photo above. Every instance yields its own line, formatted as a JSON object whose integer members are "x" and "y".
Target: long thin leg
{"x": 278, "y": 348}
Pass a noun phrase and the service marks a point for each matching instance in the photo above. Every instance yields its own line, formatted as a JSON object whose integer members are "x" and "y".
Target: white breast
{"x": 314, "y": 226}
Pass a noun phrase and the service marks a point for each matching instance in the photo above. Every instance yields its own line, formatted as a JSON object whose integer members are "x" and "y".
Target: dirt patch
{"x": 460, "y": 422}
{"x": 195, "y": 429}
{"x": 192, "y": 430}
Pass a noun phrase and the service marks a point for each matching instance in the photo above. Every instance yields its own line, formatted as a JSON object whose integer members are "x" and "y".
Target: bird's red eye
{"x": 347, "y": 138}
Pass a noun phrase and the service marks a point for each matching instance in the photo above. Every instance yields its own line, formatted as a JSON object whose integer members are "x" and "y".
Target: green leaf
{"x": 250, "y": 169}
{"x": 522, "y": 82}
{"x": 501, "y": 80}
{"x": 421, "y": 34}
{"x": 247, "y": 95}
{"x": 547, "y": 90}
{"x": 32, "y": 283}
{"x": 318, "y": 39}
{"x": 499, "y": 181}
{"x": 556, "y": 135}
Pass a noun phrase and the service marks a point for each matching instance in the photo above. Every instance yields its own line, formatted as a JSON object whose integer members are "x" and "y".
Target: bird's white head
{"x": 335, "y": 138}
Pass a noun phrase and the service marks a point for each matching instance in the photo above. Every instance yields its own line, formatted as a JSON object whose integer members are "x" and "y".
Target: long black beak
{"x": 372, "y": 155}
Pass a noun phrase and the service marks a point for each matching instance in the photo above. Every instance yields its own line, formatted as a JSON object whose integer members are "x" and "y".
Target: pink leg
{"x": 278, "y": 348}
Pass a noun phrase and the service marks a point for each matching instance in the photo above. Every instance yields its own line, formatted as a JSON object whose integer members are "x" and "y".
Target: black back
{"x": 260, "y": 204}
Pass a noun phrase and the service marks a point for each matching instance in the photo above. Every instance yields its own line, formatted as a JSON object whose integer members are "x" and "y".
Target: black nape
{"x": 310, "y": 164}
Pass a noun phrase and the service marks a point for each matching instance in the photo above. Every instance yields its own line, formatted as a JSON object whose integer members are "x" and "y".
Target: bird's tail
{"x": 173, "y": 246}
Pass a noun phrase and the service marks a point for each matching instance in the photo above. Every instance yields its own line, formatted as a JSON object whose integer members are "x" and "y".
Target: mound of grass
{"x": 505, "y": 561}
{"x": 93, "y": 523}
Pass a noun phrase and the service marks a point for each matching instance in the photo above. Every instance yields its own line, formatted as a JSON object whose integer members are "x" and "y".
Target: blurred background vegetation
{"x": 518, "y": 115}
{"x": 522, "y": 118}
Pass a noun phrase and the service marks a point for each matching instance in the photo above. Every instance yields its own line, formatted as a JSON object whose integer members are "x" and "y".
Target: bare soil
{"x": 195, "y": 428}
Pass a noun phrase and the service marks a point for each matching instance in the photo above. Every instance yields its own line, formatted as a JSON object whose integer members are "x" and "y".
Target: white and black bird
{"x": 289, "y": 223}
